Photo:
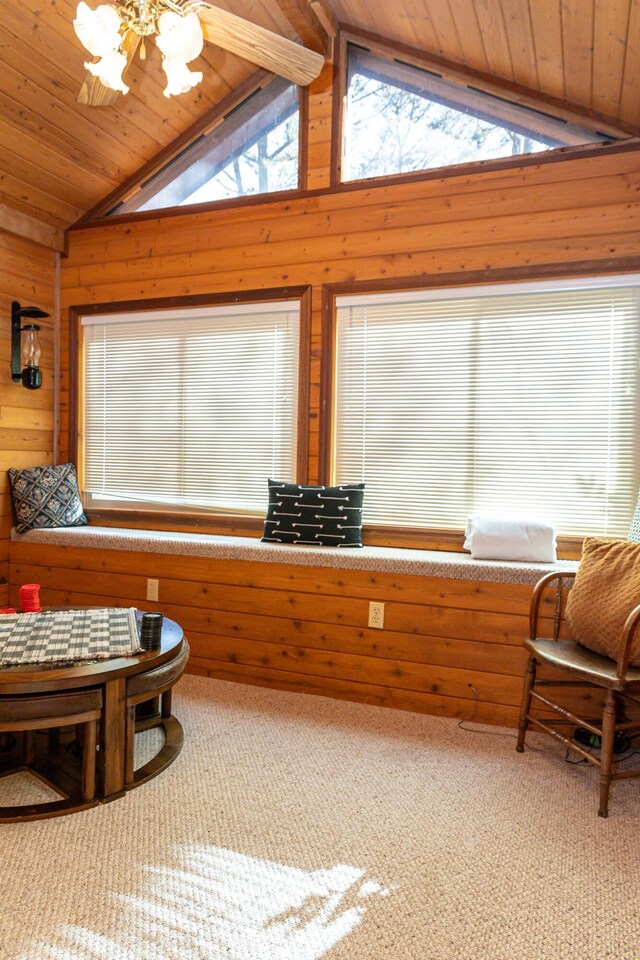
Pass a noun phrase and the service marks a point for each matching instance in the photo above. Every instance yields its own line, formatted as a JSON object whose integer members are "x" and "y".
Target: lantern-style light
{"x": 25, "y": 359}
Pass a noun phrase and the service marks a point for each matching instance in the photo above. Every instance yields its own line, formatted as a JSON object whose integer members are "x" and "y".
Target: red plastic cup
{"x": 30, "y": 598}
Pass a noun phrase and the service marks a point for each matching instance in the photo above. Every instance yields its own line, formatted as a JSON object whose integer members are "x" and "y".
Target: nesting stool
{"x": 140, "y": 689}
{"x": 25, "y": 715}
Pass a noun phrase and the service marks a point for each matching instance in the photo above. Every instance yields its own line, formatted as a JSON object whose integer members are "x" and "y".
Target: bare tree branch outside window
{"x": 390, "y": 129}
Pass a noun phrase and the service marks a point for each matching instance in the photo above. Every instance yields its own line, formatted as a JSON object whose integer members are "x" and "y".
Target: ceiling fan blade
{"x": 93, "y": 93}
{"x": 260, "y": 46}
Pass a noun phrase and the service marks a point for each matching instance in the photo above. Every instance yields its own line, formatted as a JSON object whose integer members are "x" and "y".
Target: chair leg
{"x": 166, "y": 704}
{"x": 29, "y": 748}
{"x": 606, "y": 754}
{"x": 525, "y": 707}
{"x": 129, "y": 750}
{"x": 89, "y": 740}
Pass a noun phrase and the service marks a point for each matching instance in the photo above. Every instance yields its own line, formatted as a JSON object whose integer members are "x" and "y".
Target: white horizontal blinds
{"x": 402, "y": 411}
{"x": 193, "y": 412}
{"x": 513, "y": 403}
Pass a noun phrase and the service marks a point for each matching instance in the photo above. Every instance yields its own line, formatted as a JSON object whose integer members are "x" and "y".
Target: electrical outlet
{"x": 376, "y": 615}
{"x": 152, "y": 590}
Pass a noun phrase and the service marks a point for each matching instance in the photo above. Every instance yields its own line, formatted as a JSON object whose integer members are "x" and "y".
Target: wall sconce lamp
{"x": 25, "y": 362}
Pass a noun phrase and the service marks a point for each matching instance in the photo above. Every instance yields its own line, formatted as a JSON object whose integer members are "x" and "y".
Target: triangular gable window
{"x": 253, "y": 150}
{"x": 400, "y": 118}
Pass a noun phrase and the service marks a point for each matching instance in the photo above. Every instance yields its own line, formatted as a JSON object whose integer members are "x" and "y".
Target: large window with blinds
{"x": 510, "y": 400}
{"x": 191, "y": 409}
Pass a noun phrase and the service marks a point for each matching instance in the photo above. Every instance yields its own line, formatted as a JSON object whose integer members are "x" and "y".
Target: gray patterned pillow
{"x": 634, "y": 529}
{"x": 46, "y": 497}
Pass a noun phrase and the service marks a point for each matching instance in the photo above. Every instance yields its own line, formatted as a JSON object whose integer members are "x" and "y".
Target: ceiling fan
{"x": 112, "y": 33}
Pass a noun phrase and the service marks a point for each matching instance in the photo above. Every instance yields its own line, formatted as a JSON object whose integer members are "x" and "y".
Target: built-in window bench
{"x": 296, "y": 617}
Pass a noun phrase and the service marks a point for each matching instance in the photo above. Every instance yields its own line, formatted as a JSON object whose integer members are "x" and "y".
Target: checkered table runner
{"x": 66, "y": 635}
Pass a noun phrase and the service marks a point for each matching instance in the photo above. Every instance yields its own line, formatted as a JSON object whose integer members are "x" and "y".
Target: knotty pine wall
{"x": 27, "y": 274}
{"x": 304, "y": 628}
{"x": 300, "y": 628}
{"x": 561, "y": 216}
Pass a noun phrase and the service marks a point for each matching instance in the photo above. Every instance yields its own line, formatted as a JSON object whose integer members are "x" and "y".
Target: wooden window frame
{"x": 98, "y": 215}
{"x": 424, "y": 538}
{"x": 189, "y": 521}
{"x": 516, "y": 94}
{"x": 202, "y": 150}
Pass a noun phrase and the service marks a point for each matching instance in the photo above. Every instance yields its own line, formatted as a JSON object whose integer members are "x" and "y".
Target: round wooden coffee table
{"x": 127, "y": 685}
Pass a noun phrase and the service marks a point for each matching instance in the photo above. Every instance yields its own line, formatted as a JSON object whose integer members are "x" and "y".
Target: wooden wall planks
{"x": 319, "y": 127}
{"x": 301, "y": 628}
{"x": 27, "y": 274}
{"x": 305, "y": 628}
{"x": 551, "y": 215}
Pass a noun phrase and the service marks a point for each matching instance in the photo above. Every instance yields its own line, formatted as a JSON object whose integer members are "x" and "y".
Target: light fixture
{"x": 180, "y": 38}
{"x": 113, "y": 32}
{"x": 25, "y": 362}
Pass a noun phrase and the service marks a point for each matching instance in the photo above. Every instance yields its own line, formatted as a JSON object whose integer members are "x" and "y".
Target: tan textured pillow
{"x": 606, "y": 589}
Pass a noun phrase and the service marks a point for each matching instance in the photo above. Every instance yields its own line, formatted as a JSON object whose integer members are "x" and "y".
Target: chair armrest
{"x": 628, "y": 636}
{"x": 536, "y": 599}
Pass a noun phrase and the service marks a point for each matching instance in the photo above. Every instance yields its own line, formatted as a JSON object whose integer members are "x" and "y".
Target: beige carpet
{"x": 294, "y": 828}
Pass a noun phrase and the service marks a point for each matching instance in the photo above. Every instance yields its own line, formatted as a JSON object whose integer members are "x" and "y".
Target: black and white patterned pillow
{"x": 323, "y": 516}
{"x": 46, "y": 497}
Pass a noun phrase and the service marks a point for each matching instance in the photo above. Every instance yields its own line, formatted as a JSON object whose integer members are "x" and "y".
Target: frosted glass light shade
{"x": 99, "y": 31}
{"x": 108, "y": 70}
{"x": 179, "y": 78}
{"x": 180, "y": 39}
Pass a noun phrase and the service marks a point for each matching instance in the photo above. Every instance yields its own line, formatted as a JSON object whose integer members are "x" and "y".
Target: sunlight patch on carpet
{"x": 218, "y": 903}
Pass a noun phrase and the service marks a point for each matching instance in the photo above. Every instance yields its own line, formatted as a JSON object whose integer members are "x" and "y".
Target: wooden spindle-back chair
{"x": 615, "y": 677}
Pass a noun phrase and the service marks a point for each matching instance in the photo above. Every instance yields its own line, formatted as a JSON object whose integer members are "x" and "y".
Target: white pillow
{"x": 501, "y": 538}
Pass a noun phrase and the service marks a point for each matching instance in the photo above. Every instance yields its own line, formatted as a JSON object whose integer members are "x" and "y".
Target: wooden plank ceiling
{"x": 58, "y": 158}
{"x": 585, "y": 52}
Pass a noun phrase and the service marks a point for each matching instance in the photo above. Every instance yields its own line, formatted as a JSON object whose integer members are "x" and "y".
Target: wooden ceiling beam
{"x": 306, "y": 24}
{"x": 326, "y": 16}
{"x": 21, "y": 224}
{"x": 266, "y": 49}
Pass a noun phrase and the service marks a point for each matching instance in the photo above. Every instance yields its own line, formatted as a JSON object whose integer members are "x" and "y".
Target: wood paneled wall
{"x": 319, "y": 129}
{"x": 304, "y": 628}
{"x": 27, "y": 274}
{"x": 301, "y": 628}
{"x": 561, "y": 217}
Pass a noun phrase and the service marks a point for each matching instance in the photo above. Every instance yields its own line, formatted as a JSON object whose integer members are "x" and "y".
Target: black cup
{"x": 151, "y": 631}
